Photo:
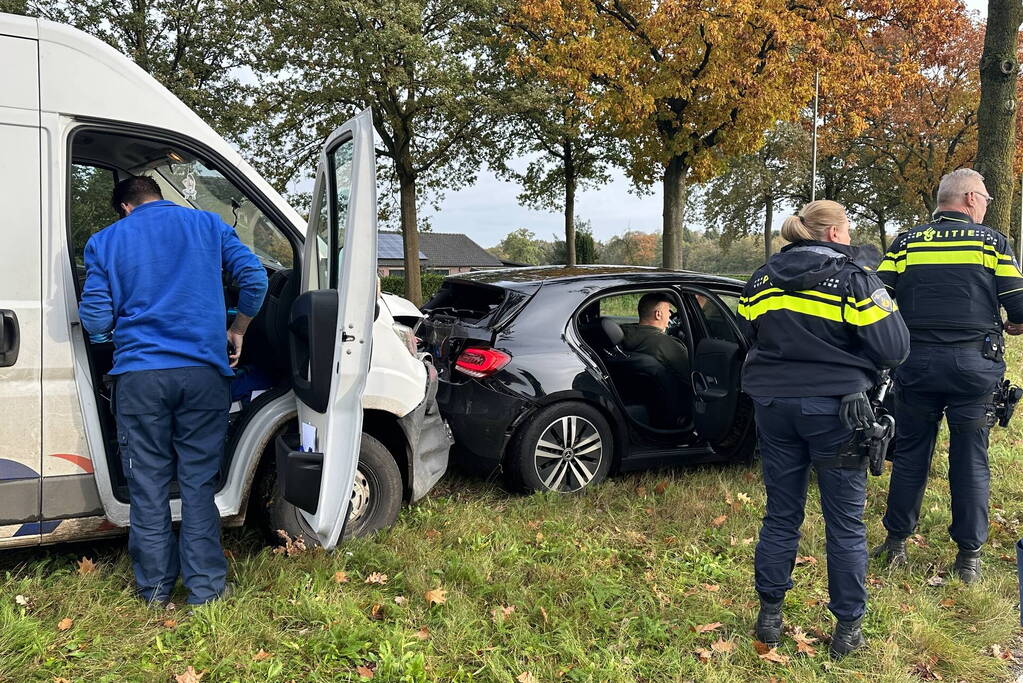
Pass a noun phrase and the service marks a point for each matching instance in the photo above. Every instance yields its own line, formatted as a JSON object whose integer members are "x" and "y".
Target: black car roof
{"x": 516, "y": 278}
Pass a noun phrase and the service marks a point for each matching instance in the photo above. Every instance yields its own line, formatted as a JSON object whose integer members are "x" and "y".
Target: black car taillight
{"x": 477, "y": 362}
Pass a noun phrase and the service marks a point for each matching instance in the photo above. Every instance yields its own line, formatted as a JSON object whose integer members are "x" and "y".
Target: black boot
{"x": 892, "y": 552}
{"x": 967, "y": 565}
{"x": 848, "y": 637}
{"x": 769, "y": 626}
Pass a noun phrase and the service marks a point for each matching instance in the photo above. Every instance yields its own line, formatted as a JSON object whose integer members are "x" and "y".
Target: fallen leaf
{"x": 86, "y": 566}
{"x": 998, "y": 652}
{"x": 170, "y": 623}
{"x": 706, "y": 628}
{"x": 903, "y": 607}
{"x": 703, "y": 654}
{"x": 806, "y": 559}
{"x": 875, "y": 581}
{"x": 661, "y": 488}
{"x": 526, "y": 677}
{"x": 432, "y": 534}
{"x": 61, "y": 679}
{"x": 935, "y": 581}
{"x": 918, "y": 540}
{"x": 947, "y": 602}
{"x": 543, "y": 613}
{"x": 21, "y": 600}
{"x": 438, "y": 596}
{"x": 539, "y": 537}
{"x": 743, "y": 498}
{"x": 800, "y": 636}
{"x": 711, "y": 587}
{"x": 340, "y": 577}
{"x": 377, "y": 578}
{"x": 291, "y": 547}
{"x": 376, "y": 612}
{"x": 722, "y": 645}
{"x": 773, "y": 655}
{"x": 502, "y": 612}
{"x": 925, "y": 670}
{"x": 364, "y": 671}
{"x": 641, "y": 491}
{"x": 190, "y": 676}
{"x": 65, "y": 624}
{"x": 534, "y": 524}
{"x": 718, "y": 521}
{"x": 747, "y": 541}
{"x": 261, "y": 656}
{"x": 400, "y": 600}
{"x": 761, "y": 647}
{"x": 422, "y": 634}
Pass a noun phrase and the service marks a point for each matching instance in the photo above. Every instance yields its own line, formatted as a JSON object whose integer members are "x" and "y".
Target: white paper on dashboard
{"x": 308, "y": 437}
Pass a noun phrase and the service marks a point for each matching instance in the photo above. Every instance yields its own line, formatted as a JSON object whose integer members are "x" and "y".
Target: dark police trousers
{"x": 174, "y": 422}
{"x": 795, "y": 432}
{"x": 957, "y": 381}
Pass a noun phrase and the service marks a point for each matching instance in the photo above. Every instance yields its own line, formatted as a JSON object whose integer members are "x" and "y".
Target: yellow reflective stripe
{"x": 775, "y": 290}
{"x": 889, "y": 265}
{"x": 795, "y": 304}
{"x": 856, "y": 303}
{"x": 1007, "y": 270}
{"x": 951, "y": 257}
{"x": 867, "y": 316}
{"x": 960, "y": 243}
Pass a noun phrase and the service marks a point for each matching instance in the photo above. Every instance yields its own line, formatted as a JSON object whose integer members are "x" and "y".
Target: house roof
{"x": 446, "y": 250}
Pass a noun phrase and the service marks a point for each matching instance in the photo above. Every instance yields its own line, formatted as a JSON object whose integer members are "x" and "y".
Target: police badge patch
{"x": 883, "y": 300}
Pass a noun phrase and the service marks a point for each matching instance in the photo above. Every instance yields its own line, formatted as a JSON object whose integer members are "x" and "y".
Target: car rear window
{"x": 471, "y": 303}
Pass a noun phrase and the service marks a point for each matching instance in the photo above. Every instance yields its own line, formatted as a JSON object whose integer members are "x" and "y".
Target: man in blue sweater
{"x": 155, "y": 278}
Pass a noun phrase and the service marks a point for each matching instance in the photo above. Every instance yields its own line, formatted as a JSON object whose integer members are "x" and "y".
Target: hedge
{"x": 395, "y": 284}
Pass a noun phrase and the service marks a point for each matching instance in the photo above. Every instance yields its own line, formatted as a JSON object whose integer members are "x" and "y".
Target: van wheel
{"x": 376, "y": 498}
{"x": 565, "y": 447}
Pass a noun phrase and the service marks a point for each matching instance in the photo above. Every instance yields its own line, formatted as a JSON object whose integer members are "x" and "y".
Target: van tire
{"x": 383, "y": 492}
{"x": 528, "y": 465}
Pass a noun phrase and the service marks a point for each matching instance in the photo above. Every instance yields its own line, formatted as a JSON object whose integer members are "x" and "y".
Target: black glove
{"x": 856, "y": 412}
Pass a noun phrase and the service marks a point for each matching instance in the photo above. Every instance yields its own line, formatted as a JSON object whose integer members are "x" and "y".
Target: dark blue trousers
{"x": 794, "y": 433}
{"x": 957, "y": 382}
{"x": 174, "y": 421}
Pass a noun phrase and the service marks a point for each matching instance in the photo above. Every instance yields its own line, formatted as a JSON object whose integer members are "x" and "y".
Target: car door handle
{"x": 10, "y": 337}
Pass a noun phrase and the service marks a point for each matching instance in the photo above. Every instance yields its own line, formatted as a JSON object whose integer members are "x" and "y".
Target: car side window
{"x": 715, "y": 317}
{"x": 621, "y": 307}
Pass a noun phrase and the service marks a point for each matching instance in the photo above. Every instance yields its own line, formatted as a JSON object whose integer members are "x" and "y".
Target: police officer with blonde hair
{"x": 951, "y": 277}
{"x": 822, "y": 327}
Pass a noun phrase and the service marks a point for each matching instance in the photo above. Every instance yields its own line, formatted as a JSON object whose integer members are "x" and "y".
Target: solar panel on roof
{"x": 390, "y": 246}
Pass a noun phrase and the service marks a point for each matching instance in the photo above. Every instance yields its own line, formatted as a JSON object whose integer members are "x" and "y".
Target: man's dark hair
{"x": 648, "y": 302}
{"x": 135, "y": 190}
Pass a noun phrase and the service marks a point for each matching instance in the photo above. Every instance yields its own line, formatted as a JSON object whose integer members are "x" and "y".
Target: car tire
{"x": 565, "y": 447}
{"x": 376, "y": 499}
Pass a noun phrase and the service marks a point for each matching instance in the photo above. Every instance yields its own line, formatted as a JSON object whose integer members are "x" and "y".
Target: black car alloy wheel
{"x": 566, "y": 447}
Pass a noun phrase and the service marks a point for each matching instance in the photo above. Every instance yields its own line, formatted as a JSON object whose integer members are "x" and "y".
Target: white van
{"x": 325, "y": 352}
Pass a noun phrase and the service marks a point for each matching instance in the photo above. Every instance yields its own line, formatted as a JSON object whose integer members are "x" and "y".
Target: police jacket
{"x": 822, "y": 325}
{"x": 950, "y": 277}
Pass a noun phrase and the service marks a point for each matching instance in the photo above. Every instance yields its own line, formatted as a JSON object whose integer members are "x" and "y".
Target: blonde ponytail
{"x": 813, "y": 221}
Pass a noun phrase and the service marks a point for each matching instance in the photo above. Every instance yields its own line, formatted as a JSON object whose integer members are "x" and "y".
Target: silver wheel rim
{"x": 568, "y": 454}
{"x": 360, "y": 497}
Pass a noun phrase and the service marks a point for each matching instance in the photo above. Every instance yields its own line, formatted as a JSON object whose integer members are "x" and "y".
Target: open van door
{"x": 330, "y": 332}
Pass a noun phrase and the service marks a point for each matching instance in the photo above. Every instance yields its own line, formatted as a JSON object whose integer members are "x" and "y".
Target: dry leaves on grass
{"x": 711, "y": 587}
{"x": 291, "y": 547}
{"x": 803, "y": 642}
{"x": 364, "y": 671}
{"x": 377, "y": 578}
{"x": 703, "y": 654}
{"x": 808, "y": 560}
{"x": 707, "y": 628}
{"x": 438, "y": 596}
{"x": 432, "y": 534}
{"x": 743, "y": 498}
{"x": 641, "y": 491}
{"x": 947, "y": 603}
{"x": 376, "y": 613}
{"x": 422, "y": 634}
{"x": 190, "y": 676}
{"x": 723, "y": 646}
{"x": 769, "y": 654}
{"x": 86, "y": 566}
{"x": 935, "y": 581}
{"x": 526, "y": 677}
{"x": 718, "y": 521}
{"x": 21, "y": 600}
{"x": 502, "y": 612}
{"x": 262, "y": 655}
{"x": 64, "y": 624}
{"x": 998, "y": 652}
{"x": 340, "y": 577}
{"x": 925, "y": 670}
{"x": 170, "y": 623}
{"x": 400, "y": 600}
{"x": 661, "y": 487}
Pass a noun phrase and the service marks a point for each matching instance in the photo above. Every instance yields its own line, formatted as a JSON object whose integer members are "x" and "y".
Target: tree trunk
{"x": 768, "y": 224}
{"x": 410, "y": 239}
{"x": 882, "y": 227}
{"x": 674, "y": 208}
{"x": 996, "y": 115}
{"x": 570, "y": 185}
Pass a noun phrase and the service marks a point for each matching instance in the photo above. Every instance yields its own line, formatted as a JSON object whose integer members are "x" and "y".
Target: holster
{"x": 994, "y": 347}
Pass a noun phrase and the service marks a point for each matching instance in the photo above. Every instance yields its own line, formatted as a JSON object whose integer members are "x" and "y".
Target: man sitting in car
{"x": 649, "y": 336}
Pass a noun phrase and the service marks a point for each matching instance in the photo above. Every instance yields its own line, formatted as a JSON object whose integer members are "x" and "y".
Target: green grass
{"x": 606, "y": 586}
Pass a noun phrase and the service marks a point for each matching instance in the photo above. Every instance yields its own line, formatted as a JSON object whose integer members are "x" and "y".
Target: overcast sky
{"x": 488, "y": 210}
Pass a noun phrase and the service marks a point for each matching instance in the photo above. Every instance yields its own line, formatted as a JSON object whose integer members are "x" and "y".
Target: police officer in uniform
{"x": 822, "y": 328}
{"x": 950, "y": 278}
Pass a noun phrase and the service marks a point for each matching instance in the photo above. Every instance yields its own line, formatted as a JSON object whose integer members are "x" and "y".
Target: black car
{"x": 534, "y": 380}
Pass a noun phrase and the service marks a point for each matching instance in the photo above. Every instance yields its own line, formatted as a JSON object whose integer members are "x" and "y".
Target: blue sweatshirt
{"x": 155, "y": 279}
